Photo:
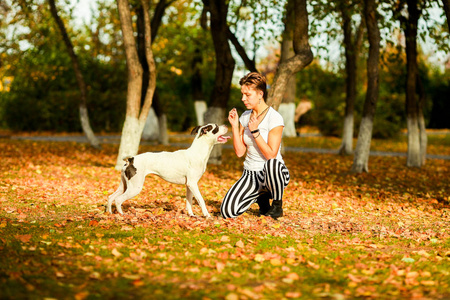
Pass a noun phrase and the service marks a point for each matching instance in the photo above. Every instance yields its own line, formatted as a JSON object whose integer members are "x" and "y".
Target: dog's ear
{"x": 195, "y": 130}
{"x": 206, "y": 129}
{"x": 216, "y": 129}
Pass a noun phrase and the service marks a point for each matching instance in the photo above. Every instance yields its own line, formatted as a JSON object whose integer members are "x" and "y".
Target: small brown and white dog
{"x": 181, "y": 167}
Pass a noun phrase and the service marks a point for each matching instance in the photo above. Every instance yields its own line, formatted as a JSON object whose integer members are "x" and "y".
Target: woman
{"x": 258, "y": 132}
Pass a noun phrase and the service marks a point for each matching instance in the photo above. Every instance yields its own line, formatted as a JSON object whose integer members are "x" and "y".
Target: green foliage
{"x": 179, "y": 42}
{"x": 389, "y": 116}
{"x": 326, "y": 91}
{"x": 107, "y": 88}
{"x": 44, "y": 94}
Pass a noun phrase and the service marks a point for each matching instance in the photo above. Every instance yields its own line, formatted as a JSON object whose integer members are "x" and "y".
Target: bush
{"x": 46, "y": 98}
{"x": 326, "y": 90}
{"x": 389, "y": 116}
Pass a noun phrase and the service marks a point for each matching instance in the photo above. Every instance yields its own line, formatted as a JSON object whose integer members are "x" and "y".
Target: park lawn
{"x": 382, "y": 234}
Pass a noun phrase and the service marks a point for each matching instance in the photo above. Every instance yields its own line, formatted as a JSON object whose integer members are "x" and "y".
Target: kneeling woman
{"x": 258, "y": 132}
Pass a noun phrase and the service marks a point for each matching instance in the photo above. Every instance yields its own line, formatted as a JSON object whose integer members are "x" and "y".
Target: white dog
{"x": 182, "y": 167}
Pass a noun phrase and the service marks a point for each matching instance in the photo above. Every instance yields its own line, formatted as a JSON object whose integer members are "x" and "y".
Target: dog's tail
{"x": 129, "y": 169}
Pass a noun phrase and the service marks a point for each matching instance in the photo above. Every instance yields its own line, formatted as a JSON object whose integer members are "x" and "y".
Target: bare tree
{"x": 84, "y": 116}
{"x": 136, "y": 114}
{"x": 303, "y": 55}
{"x": 362, "y": 151}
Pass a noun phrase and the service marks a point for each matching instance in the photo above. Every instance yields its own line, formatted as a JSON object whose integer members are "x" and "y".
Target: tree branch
{"x": 151, "y": 64}
{"x": 249, "y": 63}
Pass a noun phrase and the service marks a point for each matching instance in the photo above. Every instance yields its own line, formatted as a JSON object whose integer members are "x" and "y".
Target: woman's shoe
{"x": 276, "y": 210}
{"x": 264, "y": 204}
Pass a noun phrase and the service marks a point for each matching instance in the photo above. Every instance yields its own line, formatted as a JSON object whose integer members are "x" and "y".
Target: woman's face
{"x": 250, "y": 96}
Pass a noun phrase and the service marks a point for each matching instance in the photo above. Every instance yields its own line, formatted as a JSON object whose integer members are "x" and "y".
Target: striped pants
{"x": 252, "y": 184}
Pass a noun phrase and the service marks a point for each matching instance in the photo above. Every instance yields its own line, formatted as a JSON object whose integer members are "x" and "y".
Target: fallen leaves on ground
{"x": 383, "y": 233}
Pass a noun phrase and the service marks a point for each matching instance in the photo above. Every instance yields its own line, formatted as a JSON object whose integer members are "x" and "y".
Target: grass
{"x": 383, "y": 234}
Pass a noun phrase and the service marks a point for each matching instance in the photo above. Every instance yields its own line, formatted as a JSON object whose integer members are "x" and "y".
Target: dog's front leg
{"x": 189, "y": 201}
{"x": 194, "y": 189}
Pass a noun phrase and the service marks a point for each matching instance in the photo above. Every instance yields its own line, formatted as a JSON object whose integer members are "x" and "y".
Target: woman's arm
{"x": 270, "y": 149}
{"x": 238, "y": 141}
{"x": 238, "y": 133}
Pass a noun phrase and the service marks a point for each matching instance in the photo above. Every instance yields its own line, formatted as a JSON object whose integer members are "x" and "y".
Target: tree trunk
{"x": 447, "y": 12}
{"x": 224, "y": 68}
{"x": 422, "y": 125}
{"x": 412, "y": 108}
{"x": 160, "y": 8}
{"x": 215, "y": 115}
{"x": 84, "y": 116}
{"x": 352, "y": 48}
{"x": 163, "y": 138}
{"x": 287, "y": 51}
{"x": 287, "y": 107}
{"x": 303, "y": 55}
{"x": 135, "y": 115}
{"x": 196, "y": 78}
{"x": 362, "y": 151}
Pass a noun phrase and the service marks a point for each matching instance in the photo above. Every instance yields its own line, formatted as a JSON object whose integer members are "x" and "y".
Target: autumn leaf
{"x": 81, "y": 295}
{"x": 220, "y": 266}
{"x": 428, "y": 282}
{"x": 138, "y": 283}
{"x": 293, "y": 276}
{"x": 259, "y": 257}
{"x": 293, "y": 295}
{"x": 25, "y": 238}
{"x": 275, "y": 262}
{"x": 240, "y": 244}
{"x": 225, "y": 239}
{"x": 93, "y": 223}
{"x": 116, "y": 253}
{"x": 354, "y": 278}
{"x": 313, "y": 265}
{"x": 232, "y": 296}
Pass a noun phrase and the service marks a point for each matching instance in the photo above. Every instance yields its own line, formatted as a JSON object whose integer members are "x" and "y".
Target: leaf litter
{"x": 379, "y": 234}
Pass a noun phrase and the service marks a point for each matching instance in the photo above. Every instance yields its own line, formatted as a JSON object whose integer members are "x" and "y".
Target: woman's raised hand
{"x": 253, "y": 123}
{"x": 233, "y": 117}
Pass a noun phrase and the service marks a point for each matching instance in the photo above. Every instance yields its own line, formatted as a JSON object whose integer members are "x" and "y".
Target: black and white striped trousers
{"x": 272, "y": 179}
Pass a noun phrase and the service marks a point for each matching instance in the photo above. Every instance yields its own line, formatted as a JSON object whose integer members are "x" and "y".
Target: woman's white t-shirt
{"x": 254, "y": 161}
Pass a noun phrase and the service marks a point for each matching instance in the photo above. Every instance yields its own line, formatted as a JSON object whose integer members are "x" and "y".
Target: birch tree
{"x": 136, "y": 114}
